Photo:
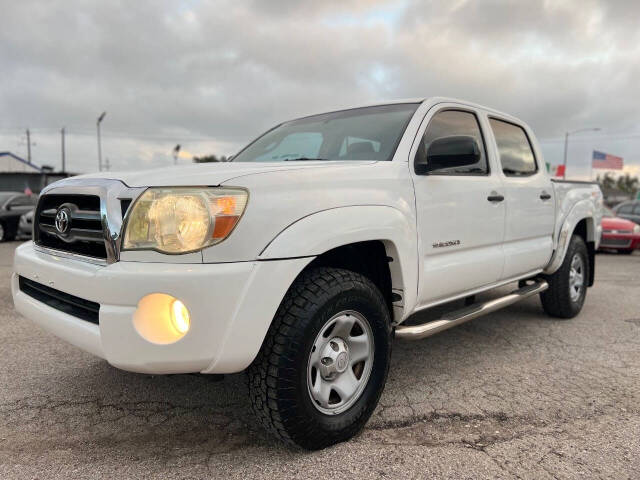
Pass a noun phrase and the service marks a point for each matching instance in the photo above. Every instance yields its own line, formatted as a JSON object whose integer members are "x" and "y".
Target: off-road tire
{"x": 277, "y": 378}
{"x": 556, "y": 300}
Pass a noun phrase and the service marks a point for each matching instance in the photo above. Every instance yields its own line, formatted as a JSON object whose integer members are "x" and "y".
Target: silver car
{"x": 25, "y": 225}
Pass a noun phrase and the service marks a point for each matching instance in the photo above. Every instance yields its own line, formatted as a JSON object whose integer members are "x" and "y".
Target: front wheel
{"x": 324, "y": 361}
{"x": 568, "y": 285}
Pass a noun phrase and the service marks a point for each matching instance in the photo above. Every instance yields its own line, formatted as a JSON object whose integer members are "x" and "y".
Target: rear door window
{"x": 516, "y": 154}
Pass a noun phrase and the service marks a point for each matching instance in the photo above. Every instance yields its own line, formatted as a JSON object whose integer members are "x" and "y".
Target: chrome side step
{"x": 458, "y": 317}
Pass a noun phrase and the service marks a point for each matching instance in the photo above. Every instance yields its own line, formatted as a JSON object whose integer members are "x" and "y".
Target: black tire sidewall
{"x": 578, "y": 247}
{"x": 557, "y": 299}
{"x": 322, "y": 429}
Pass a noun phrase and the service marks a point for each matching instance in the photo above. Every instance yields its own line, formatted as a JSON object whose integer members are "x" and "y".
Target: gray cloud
{"x": 212, "y": 75}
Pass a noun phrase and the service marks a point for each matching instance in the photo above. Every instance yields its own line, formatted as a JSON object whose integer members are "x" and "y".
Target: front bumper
{"x": 231, "y": 305}
{"x": 621, "y": 241}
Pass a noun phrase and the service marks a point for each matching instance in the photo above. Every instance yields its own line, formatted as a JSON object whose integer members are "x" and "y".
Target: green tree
{"x": 628, "y": 184}
{"x": 607, "y": 182}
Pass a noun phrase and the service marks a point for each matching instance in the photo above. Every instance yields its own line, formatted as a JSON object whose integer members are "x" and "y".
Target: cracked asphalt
{"x": 511, "y": 395}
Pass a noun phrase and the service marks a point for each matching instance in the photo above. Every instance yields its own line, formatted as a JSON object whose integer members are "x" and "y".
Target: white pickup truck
{"x": 302, "y": 258}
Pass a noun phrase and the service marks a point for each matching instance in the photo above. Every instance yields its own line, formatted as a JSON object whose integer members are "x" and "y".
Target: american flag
{"x": 604, "y": 160}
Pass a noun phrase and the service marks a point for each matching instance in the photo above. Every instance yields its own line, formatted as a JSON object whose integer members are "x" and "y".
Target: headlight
{"x": 636, "y": 229}
{"x": 184, "y": 219}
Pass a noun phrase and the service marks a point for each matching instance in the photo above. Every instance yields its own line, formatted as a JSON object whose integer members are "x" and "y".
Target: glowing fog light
{"x": 161, "y": 319}
{"x": 180, "y": 317}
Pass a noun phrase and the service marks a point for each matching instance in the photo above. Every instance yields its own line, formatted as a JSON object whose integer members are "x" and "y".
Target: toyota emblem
{"x": 63, "y": 220}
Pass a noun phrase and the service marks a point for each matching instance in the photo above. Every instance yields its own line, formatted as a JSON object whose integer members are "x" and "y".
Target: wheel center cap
{"x": 335, "y": 358}
{"x": 342, "y": 361}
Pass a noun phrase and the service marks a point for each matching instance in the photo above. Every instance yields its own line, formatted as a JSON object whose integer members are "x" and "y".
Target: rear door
{"x": 530, "y": 202}
{"x": 460, "y": 211}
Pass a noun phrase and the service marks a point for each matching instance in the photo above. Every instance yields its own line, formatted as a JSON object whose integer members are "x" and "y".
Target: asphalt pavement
{"x": 511, "y": 395}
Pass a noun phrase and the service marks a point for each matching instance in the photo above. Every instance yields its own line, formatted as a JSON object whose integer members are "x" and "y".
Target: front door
{"x": 460, "y": 213}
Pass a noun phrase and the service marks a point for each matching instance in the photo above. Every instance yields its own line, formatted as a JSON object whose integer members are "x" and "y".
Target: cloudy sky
{"x": 212, "y": 75}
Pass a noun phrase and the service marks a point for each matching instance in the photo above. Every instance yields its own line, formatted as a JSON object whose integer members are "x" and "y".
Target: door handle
{"x": 545, "y": 196}
{"x": 495, "y": 198}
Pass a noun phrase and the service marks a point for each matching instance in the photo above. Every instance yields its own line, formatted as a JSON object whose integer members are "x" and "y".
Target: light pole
{"x": 176, "y": 154}
{"x": 566, "y": 145}
{"x": 62, "y": 150}
{"x": 98, "y": 122}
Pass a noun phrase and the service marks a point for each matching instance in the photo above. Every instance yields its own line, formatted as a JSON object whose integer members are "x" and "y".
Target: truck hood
{"x": 212, "y": 174}
{"x": 617, "y": 223}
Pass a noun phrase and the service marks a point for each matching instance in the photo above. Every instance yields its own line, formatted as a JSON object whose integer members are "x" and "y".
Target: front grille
{"x": 69, "y": 304}
{"x": 615, "y": 242}
{"x": 83, "y": 234}
{"x": 618, "y": 232}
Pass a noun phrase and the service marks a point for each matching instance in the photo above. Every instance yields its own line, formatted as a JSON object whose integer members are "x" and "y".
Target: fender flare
{"x": 325, "y": 230}
{"x": 582, "y": 210}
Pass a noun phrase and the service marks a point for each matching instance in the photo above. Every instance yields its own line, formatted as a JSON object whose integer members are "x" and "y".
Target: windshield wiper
{"x": 304, "y": 159}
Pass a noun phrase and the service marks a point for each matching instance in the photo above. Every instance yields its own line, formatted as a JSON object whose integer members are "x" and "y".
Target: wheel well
{"x": 367, "y": 258}
{"x": 583, "y": 230}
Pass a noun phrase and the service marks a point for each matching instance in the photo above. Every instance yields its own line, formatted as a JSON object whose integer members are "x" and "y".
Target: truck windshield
{"x": 369, "y": 133}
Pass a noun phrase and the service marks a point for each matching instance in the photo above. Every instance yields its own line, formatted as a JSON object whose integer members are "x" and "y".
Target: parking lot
{"x": 512, "y": 395}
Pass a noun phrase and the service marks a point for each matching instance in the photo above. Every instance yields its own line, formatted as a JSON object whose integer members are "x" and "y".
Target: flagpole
{"x": 566, "y": 147}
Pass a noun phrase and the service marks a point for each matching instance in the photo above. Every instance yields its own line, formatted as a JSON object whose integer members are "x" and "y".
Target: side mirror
{"x": 448, "y": 152}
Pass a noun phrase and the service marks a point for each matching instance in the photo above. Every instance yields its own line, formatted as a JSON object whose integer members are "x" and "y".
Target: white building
{"x": 10, "y": 163}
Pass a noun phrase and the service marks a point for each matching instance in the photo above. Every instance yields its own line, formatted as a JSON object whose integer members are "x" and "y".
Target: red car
{"x": 619, "y": 234}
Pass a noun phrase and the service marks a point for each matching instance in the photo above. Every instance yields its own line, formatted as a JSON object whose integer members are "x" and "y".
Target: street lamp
{"x": 566, "y": 145}
{"x": 176, "y": 154}
{"x": 98, "y": 122}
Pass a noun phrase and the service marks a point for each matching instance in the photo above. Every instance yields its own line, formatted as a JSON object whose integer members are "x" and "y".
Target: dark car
{"x": 12, "y": 206}
{"x": 629, "y": 210}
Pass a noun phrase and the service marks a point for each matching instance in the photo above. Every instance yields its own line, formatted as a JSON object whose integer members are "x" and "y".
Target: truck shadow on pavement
{"x": 97, "y": 408}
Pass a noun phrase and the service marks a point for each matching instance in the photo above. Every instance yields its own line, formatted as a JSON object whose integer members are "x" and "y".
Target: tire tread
{"x": 556, "y": 300}
{"x": 268, "y": 387}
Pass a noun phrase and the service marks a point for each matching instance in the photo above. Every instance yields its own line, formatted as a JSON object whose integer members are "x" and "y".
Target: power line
{"x": 196, "y": 138}
{"x": 121, "y": 134}
{"x": 593, "y": 138}
{"x": 141, "y": 136}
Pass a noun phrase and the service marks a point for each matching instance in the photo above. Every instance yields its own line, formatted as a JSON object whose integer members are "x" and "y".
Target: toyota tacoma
{"x": 301, "y": 259}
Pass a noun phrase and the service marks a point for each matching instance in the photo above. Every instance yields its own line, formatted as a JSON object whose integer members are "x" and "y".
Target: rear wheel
{"x": 324, "y": 362}
{"x": 568, "y": 285}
